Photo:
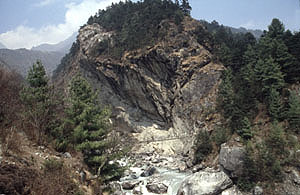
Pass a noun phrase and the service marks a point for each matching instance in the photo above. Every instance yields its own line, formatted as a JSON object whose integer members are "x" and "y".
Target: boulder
{"x": 206, "y": 182}
{"x": 149, "y": 171}
{"x": 258, "y": 190}
{"x": 129, "y": 185}
{"x": 197, "y": 168}
{"x": 67, "y": 155}
{"x": 231, "y": 159}
{"x": 157, "y": 188}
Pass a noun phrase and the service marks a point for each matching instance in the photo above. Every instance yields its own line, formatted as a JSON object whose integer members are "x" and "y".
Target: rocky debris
{"x": 149, "y": 171}
{"x": 116, "y": 188}
{"x": 232, "y": 191}
{"x": 137, "y": 190}
{"x": 129, "y": 185}
{"x": 197, "y": 168}
{"x": 206, "y": 182}
{"x": 231, "y": 159}
{"x": 1, "y": 153}
{"x": 157, "y": 188}
{"x": 295, "y": 177}
{"x": 257, "y": 190}
{"x": 297, "y": 155}
{"x": 67, "y": 155}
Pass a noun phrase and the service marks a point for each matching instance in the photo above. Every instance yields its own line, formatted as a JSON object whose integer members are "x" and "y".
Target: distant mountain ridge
{"x": 257, "y": 32}
{"x": 63, "y": 46}
{"x": 21, "y": 60}
{"x": 2, "y": 46}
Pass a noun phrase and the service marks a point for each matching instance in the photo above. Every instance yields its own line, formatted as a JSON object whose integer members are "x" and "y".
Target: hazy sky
{"x": 27, "y": 23}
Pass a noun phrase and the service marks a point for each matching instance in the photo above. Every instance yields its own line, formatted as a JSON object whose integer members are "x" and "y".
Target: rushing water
{"x": 171, "y": 178}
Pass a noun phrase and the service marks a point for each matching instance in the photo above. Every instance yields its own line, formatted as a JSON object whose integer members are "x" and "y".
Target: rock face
{"x": 231, "y": 159}
{"x": 207, "y": 182}
{"x": 158, "y": 93}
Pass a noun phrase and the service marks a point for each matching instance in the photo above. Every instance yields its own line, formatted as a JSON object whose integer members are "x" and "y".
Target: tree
{"x": 203, "y": 146}
{"x": 276, "y": 140}
{"x": 245, "y": 130}
{"x": 185, "y": 6}
{"x": 36, "y": 98}
{"x": 276, "y": 29}
{"x": 275, "y": 106}
{"x": 268, "y": 76}
{"x": 90, "y": 125}
{"x": 293, "y": 113}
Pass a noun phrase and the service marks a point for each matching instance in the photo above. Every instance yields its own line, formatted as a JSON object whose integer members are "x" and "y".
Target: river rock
{"x": 149, "y": 171}
{"x": 258, "y": 190}
{"x": 157, "y": 188}
{"x": 231, "y": 159}
{"x": 232, "y": 191}
{"x": 129, "y": 185}
{"x": 197, "y": 168}
{"x": 206, "y": 182}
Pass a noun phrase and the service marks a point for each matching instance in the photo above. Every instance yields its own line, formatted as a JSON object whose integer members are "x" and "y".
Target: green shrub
{"x": 52, "y": 164}
{"x": 203, "y": 146}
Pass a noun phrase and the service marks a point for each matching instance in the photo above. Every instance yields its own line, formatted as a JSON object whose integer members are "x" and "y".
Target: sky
{"x": 28, "y": 23}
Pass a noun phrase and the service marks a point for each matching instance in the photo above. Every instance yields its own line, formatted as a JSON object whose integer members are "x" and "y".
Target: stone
{"x": 116, "y": 188}
{"x": 231, "y": 159}
{"x": 157, "y": 188}
{"x": 232, "y": 191}
{"x": 67, "y": 155}
{"x": 137, "y": 191}
{"x": 295, "y": 177}
{"x": 149, "y": 171}
{"x": 206, "y": 182}
{"x": 129, "y": 185}
{"x": 197, "y": 168}
{"x": 257, "y": 190}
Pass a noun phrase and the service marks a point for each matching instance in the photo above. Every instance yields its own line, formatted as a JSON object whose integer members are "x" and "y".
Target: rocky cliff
{"x": 160, "y": 92}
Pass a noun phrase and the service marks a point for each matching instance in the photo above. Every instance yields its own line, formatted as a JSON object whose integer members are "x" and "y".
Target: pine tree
{"x": 268, "y": 76}
{"x": 293, "y": 113}
{"x": 245, "y": 130}
{"x": 185, "y": 6}
{"x": 36, "y": 98}
{"x": 89, "y": 122}
{"x": 275, "y": 105}
{"x": 276, "y": 29}
{"x": 276, "y": 140}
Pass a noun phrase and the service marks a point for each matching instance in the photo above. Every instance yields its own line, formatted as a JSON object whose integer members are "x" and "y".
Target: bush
{"x": 220, "y": 135}
{"x": 52, "y": 164}
{"x": 203, "y": 146}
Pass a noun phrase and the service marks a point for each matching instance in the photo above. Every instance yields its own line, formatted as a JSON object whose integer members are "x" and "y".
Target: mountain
{"x": 159, "y": 81}
{"x": 21, "y": 60}
{"x": 257, "y": 33}
{"x": 62, "y": 47}
{"x": 2, "y": 46}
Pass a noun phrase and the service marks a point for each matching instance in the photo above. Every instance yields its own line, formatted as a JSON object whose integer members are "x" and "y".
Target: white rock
{"x": 206, "y": 182}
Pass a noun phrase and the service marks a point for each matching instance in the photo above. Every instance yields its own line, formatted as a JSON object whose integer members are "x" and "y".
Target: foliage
{"x": 275, "y": 105}
{"x": 136, "y": 24}
{"x": 248, "y": 178}
{"x": 39, "y": 102}
{"x": 220, "y": 136}
{"x": 89, "y": 128}
{"x": 245, "y": 131}
{"x": 293, "y": 113}
{"x": 52, "y": 165}
{"x": 276, "y": 140}
{"x": 203, "y": 146}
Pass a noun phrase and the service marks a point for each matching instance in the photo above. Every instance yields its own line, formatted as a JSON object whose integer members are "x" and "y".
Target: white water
{"x": 171, "y": 178}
